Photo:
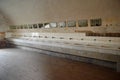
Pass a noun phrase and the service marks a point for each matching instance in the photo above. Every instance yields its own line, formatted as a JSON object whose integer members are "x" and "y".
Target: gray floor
{"x": 17, "y": 64}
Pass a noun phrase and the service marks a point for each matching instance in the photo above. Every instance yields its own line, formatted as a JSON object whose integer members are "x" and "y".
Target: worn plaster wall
{"x": 36, "y": 11}
{"x": 20, "y": 12}
{"x": 3, "y": 24}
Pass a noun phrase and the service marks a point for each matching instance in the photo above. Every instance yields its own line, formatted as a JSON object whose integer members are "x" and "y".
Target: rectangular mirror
{"x": 21, "y": 27}
{"x": 35, "y": 26}
{"x": 40, "y": 25}
{"x": 82, "y": 23}
{"x": 30, "y": 26}
{"x": 46, "y": 25}
{"x": 71, "y": 23}
{"x": 53, "y": 24}
{"x": 25, "y": 26}
{"x": 96, "y": 22}
{"x": 62, "y": 24}
{"x": 12, "y": 27}
{"x": 18, "y": 27}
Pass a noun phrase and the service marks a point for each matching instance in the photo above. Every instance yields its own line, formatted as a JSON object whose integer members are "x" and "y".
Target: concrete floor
{"x": 17, "y": 64}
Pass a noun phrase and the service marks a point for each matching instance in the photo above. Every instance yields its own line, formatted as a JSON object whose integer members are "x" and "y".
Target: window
{"x": 83, "y": 23}
{"x": 71, "y": 24}
{"x": 96, "y": 22}
{"x": 62, "y": 24}
{"x": 53, "y": 25}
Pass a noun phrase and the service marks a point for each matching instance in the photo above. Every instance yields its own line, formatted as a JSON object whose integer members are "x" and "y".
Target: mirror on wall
{"x": 82, "y": 23}
{"x": 71, "y": 23}
{"x": 25, "y": 26}
{"x": 35, "y": 26}
{"x": 17, "y": 27}
{"x": 2, "y": 35}
{"x": 53, "y": 24}
{"x": 30, "y": 26}
{"x": 12, "y": 27}
{"x": 21, "y": 27}
{"x": 40, "y": 25}
{"x": 62, "y": 24}
{"x": 46, "y": 25}
{"x": 96, "y": 22}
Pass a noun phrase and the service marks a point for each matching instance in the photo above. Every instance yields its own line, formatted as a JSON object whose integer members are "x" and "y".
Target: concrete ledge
{"x": 104, "y": 63}
{"x": 89, "y": 52}
{"x": 95, "y": 55}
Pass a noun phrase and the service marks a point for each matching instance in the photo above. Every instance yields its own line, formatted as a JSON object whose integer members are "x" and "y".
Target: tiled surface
{"x": 17, "y": 64}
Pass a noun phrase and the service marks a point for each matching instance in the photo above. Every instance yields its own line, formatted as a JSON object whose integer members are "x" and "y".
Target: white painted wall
{"x": 35, "y": 11}
{"x": 3, "y": 24}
